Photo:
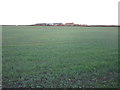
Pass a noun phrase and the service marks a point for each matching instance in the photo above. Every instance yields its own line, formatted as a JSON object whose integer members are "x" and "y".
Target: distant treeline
{"x": 72, "y": 24}
{"x": 66, "y": 24}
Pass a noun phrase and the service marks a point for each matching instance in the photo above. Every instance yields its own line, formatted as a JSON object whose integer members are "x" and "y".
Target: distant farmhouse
{"x": 69, "y": 24}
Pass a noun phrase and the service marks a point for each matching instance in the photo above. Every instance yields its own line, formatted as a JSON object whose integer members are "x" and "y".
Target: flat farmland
{"x": 60, "y": 57}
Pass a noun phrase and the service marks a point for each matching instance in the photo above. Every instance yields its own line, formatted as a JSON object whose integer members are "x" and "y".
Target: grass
{"x": 60, "y": 57}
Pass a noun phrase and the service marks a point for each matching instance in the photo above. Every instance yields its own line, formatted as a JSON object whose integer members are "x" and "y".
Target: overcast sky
{"x": 19, "y": 12}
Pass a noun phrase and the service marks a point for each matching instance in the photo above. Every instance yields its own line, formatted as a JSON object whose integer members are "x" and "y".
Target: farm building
{"x": 69, "y": 24}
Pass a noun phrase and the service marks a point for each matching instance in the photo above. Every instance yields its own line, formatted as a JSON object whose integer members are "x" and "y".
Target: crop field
{"x": 59, "y": 57}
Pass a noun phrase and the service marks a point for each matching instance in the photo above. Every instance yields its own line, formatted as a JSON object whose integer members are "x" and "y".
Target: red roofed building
{"x": 69, "y": 24}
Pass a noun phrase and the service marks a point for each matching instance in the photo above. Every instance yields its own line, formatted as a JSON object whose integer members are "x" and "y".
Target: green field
{"x": 60, "y": 57}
